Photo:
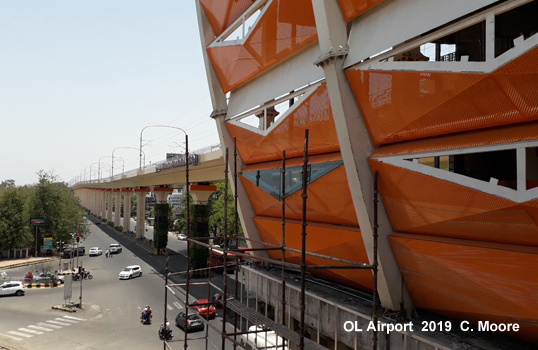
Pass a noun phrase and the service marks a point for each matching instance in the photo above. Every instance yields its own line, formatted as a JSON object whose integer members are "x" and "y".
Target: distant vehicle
{"x": 12, "y": 288}
{"x": 49, "y": 277}
{"x": 115, "y": 248}
{"x": 81, "y": 251}
{"x": 216, "y": 260}
{"x": 130, "y": 272}
{"x": 97, "y": 222}
{"x": 67, "y": 253}
{"x": 95, "y": 251}
{"x": 182, "y": 236}
{"x": 204, "y": 310}
{"x": 194, "y": 323}
{"x": 262, "y": 339}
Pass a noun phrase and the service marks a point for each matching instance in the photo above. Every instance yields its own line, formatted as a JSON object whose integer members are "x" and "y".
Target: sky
{"x": 81, "y": 78}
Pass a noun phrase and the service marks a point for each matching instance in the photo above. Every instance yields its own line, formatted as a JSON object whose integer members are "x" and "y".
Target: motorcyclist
{"x": 165, "y": 331}
{"x": 146, "y": 313}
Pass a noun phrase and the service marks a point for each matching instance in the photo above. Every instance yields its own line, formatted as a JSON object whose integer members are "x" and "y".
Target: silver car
{"x": 115, "y": 248}
{"x": 12, "y": 288}
{"x": 95, "y": 251}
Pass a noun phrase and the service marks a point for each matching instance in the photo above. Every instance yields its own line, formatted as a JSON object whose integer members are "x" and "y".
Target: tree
{"x": 14, "y": 229}
{"x": 55, "y": 203}
{"x": 216, "y": 220}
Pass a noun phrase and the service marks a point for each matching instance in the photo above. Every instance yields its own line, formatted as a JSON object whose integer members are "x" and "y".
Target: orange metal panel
{"x": 222, "y": 13}
{"x": 469, "y": 282}
{"x": 493, "y": 136}
{"x": 400, "y": 105}
{"x": 344, "y": 243}
{"x": 353, "y": 8}
{"x": 320, "y": 158}
{"x": 329, "y": 200}
{"x": 276, "y": 36}
{"x": 314, "y": 114}
{"x": 418, "y": 203}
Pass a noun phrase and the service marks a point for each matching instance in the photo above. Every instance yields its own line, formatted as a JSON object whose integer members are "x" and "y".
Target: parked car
{"x": 182, "y": 236}
{"x": 12, "y": 288}
{"x": 68, "y": 253}
{"x": 199, "y": 306}
{"x": 115, "y": 248}
{"x": 95, "y": 251}
{"x": 194, "y": 323}
{"x": 49, "y": 277}
{"x": 130, "y": 272}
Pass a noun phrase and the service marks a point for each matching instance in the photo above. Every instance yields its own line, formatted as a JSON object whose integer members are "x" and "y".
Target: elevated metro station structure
{"x": 438, "y": 98}
{"x": 103, "y": 197}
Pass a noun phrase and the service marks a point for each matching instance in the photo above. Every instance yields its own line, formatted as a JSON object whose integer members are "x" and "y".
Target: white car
{"x": 130, "y": 272}
{"x": 49, "y": 277}
{"x": 13, "y": 287}
{"x": 95, "y": 251}
{"x": 182, "y": 236}
{"x": 115, "y": 248}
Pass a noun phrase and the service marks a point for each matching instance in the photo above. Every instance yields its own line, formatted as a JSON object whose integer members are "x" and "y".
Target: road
{"x": 110, "y": 317}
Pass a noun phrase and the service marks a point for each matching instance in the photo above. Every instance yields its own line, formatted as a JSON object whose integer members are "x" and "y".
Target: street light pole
{"x": 91, "y": 171}
{"x": 124, "y": 162}
{"x": 156, "y": 126}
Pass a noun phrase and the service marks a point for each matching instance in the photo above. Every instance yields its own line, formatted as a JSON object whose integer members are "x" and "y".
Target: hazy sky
{"x": 79, "y": 78}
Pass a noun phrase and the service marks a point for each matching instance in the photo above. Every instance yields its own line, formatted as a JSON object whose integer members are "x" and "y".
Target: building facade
{"x": 439, "y": 100}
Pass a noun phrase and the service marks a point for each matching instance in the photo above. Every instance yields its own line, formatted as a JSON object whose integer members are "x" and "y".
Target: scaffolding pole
{"x": 235, "y": 305}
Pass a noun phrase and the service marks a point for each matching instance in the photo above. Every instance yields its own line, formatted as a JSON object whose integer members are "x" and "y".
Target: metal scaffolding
{"x": 234, "y": 304}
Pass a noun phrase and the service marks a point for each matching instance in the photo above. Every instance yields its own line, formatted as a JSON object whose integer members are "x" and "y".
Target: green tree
{"x": 216, "y": 220}
{"x": 55, "y": 203}
{"x": 14, "y": 229}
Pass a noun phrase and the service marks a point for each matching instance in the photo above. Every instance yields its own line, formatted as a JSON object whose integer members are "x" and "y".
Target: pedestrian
{"x": 106, "y": 253}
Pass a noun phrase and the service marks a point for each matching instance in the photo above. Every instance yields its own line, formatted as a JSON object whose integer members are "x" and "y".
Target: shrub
{"x": 119, "y": 228}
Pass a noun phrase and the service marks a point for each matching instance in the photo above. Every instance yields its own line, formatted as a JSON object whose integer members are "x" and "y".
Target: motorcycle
{"x": 162, "y": 330}
{"x": 85, "y": 275}
{"x": 145, "y": 320}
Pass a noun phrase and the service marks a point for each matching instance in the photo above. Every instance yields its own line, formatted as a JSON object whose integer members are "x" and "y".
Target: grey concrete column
{"x": 109, "y": 206}
{"x": 127, "y": 211}
{"x": 117, "y": 208}
{"x": 140, "y": 213}
{"x": 102, "y": 198}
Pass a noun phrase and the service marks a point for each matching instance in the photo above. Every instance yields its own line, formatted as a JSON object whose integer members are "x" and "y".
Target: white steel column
{"x": 356, "y": 147}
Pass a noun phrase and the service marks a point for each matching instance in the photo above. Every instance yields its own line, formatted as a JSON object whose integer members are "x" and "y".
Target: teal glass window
{"x": 270, "y": 180}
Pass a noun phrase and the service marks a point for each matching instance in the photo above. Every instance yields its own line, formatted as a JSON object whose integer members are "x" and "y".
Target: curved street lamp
{"x": 122, "y": 159}
{"x": 91, "y": 170}
{"x": 188, "y": 219}
{"x": 161, "y": 126}
{"x": 99, "y": 167}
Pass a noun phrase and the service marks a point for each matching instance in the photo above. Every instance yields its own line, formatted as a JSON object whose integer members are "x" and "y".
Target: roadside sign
{"x": 47, "y": 242}
{"x": 35, "y": 221}
{"x": 67, "y": 287}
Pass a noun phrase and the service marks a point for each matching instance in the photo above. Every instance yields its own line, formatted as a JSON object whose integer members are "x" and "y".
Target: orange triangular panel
{"x": 314, "y": 114}
{"x": 222, "y": 13}
{"x": 346, "y": 243}
{"x": 353, "y": 8}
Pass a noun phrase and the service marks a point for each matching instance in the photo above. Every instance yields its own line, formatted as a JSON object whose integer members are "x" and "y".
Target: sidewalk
{"x": 12, "y": 263}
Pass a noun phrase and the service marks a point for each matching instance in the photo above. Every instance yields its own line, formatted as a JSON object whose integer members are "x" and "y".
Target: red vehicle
{"x": 216, "y": 260}
{"x": 199, "y": 306}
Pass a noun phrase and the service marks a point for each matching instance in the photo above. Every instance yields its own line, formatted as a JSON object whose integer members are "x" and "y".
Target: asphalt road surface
{"x": 110, "y": 318}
